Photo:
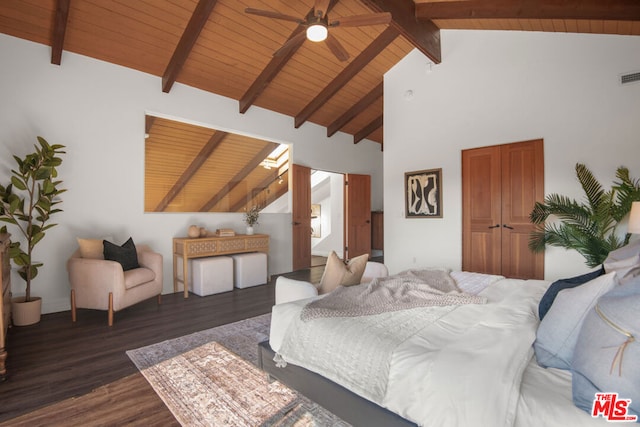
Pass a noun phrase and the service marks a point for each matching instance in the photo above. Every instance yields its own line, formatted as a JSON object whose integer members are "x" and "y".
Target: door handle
{"x": 506, "y": 226}
{"x": 495, "y": 226}
{"x": 296, "y": 223}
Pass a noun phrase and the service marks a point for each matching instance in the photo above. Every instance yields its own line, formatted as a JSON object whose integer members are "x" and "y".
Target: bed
{"x": 469, "y": 364}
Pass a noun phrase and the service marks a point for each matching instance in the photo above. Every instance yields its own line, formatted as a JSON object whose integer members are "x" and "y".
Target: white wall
{"x": 97, "y": 110}
{"x": 331, "y": 199}
{"x": 496, "y": 87}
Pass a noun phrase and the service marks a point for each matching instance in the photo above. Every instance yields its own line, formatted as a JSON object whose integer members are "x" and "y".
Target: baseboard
{"x": 55, "y": 305}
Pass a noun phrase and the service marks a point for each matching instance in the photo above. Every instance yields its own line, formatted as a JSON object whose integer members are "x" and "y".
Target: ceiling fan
{"x": 318, "y": 24}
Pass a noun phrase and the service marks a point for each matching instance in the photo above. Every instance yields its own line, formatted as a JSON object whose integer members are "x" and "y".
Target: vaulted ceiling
{"x": 214, "y": 45}
{"x": 217, "y": 46}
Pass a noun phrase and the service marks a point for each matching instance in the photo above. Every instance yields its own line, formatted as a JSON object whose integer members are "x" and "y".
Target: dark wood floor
{"x": 56, "y": 360}
{"x": 317, "y": 261}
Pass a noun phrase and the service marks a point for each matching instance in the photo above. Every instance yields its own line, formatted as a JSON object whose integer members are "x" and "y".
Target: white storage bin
{"x": 250, "y": 269}
{"x": 211, "y": 275}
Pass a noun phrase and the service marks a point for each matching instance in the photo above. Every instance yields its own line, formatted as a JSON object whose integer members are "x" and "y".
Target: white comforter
{"x": 464, "y": 366}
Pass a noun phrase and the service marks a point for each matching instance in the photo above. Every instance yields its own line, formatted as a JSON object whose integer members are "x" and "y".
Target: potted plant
{"x": 28, "y": 202}
{"x": 589, "y": 228}
{"x": 251, "y": 218}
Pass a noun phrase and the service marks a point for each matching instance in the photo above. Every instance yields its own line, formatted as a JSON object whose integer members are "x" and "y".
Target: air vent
{"x": 630, "y": 78}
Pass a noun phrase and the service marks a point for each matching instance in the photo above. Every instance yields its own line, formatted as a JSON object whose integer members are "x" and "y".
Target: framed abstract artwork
{"x": 423, "y": 194}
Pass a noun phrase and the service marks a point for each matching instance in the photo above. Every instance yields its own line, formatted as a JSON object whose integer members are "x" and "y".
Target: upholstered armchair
{"x": 104, "y": 285}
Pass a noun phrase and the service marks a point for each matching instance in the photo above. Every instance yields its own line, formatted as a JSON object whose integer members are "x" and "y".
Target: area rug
{"x": 210, "y": 378}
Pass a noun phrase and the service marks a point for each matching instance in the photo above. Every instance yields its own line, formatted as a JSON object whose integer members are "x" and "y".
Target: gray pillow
{"x": 625, "y": 261}
{"x": 558, "y": 332}
{"x": 559, "y": 285}
{"x": 595, "y": 365}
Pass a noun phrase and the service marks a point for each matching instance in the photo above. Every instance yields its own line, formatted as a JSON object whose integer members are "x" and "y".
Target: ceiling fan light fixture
{"x": 317, "y": 32}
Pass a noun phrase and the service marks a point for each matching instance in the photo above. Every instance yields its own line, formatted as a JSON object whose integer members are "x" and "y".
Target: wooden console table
{"x": 188, "y": 248}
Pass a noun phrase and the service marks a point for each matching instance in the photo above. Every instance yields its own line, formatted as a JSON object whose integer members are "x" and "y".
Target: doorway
{"x": 356, "y": 216}
{"x": 327, "y": 215}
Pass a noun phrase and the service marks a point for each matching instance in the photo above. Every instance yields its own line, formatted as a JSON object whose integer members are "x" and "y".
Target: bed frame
{"x": 352, "y": 408}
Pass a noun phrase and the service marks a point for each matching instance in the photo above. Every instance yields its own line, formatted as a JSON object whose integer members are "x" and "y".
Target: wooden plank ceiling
{"x": 191, "y": 168}
{"x": 214, "y": 45}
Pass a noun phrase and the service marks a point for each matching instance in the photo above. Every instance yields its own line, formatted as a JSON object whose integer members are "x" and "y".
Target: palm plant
{"x": 589, "y": 228}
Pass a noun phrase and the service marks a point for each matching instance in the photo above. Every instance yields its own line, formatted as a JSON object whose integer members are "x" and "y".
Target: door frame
{"x": 301, "y": 216}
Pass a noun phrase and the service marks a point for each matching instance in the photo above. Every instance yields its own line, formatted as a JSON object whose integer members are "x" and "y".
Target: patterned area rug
{"x": 210, "y": 378}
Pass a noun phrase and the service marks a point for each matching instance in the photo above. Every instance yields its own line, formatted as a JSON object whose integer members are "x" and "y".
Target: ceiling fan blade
{"x": 293, "y": 41}
{"x": 320, "y": 7}
{"x": 360, "y": 20}
{"x": 274, "y": 15}
{"x": 336, "y": 47}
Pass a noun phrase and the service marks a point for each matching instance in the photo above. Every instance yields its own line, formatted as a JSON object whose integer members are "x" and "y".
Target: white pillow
{"x": 559, "y": 329}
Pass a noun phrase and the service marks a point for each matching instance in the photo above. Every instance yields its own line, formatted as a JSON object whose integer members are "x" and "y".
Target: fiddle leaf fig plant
{"x": 588, "y": 227}
{"x": 28, "y": 202}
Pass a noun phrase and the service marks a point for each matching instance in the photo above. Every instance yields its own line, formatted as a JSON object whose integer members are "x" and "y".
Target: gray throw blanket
{"x": 409, "y": 289}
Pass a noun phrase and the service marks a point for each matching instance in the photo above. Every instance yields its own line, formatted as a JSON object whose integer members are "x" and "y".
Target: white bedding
{"x": 466, "y": 366}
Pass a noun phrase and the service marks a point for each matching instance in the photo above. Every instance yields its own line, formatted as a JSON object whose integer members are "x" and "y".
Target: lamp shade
{"x": 634, "y": 219}
{"x": 317, "y": 32}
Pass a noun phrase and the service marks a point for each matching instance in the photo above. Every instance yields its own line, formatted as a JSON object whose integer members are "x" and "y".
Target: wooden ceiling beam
{"x": 196, "y": 23}
{"x": 356, "y": 109}
{"x": 366, "y": 131}
{"x": 191, "y": 170}
{"x": 242, "y": 174}
{"x": 423, "y": 34}
{"x": 367, "y": 55}
{"x": 59, "y": 30}
{"x": 273, "y": 68}
{"x": 269, "y": 73}
{"x": 607, "y": 10}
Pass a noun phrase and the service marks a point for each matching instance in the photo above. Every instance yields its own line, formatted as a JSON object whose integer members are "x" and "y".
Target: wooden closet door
{"x": 500, "y": 185}
{"x": 481, "y": 205}
{"x": 522, "y": 185}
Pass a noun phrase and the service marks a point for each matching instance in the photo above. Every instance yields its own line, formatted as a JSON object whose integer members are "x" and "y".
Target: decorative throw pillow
{"x": 625, "y": 261}
{"x": 337, "y": 273}
{"x": 558, "y": 285}
{"x": 91, "y": 248}
{"x": 608, "y": 349}
{"x": 126, "y": 254}
{"x": 558, "y": 331}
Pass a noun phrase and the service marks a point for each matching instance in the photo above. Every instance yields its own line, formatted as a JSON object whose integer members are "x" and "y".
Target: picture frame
{"x": 423, "y": 193}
